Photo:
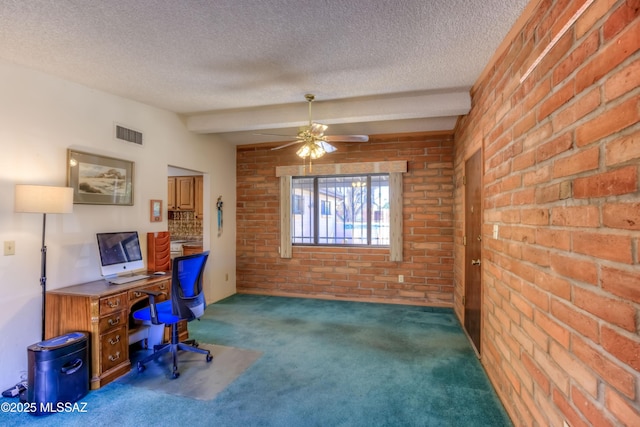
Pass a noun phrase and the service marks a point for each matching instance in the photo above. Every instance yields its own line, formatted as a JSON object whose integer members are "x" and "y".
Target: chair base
{"x": 173, "y": 347}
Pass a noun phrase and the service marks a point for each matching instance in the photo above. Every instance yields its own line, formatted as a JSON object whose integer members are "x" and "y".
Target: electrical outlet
{"x": 400, "y": 278}
{"x": 495, "y": 231}
{"x": 9, "y": 247}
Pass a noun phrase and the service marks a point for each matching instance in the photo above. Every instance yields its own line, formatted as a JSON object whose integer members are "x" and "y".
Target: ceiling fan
{"x": 315, "y": 143}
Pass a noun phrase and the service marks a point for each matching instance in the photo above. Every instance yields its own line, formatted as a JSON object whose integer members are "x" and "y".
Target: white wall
{"x": 42, "y": 116}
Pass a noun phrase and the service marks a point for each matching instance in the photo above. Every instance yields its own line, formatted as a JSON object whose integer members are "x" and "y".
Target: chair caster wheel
{"x": 141, "y": 367}
{"x": 209, "y": 358}
{"x": 175, "y": 375}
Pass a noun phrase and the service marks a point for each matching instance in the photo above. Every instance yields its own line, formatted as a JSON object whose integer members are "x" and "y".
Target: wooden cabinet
{"x": 199, "y": 195}
{"x": 104, "y": 312}
{"x": 184, "y": 193}
{"x": 191, "y": 249}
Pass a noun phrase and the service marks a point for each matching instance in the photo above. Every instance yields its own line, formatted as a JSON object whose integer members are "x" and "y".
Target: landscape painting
{"x": 99, "y": 179}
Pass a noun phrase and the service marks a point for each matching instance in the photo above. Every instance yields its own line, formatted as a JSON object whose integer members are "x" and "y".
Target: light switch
{"x": 9, "y": 247}
{"x": 495, "y": 231}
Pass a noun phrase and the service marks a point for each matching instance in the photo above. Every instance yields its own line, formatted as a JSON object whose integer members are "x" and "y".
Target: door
{"x": 473, "y": 247}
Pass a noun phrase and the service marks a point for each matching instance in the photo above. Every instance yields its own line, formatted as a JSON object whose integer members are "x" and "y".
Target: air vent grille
{"x": 129, "y": 135}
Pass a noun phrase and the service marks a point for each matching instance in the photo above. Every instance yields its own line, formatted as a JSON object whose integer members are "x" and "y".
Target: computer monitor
{"x": 119, "y": 253}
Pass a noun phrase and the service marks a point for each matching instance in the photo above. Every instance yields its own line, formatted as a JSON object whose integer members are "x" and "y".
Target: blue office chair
{"x": 187, "y": 302}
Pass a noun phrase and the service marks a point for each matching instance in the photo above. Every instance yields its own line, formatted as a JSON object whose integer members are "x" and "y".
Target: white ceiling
{"x": 240, "y": 67}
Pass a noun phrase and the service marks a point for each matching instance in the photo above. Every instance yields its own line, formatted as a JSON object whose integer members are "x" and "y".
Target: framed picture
{"x": 156, "y": 211}
{"x": 99, "y": 180}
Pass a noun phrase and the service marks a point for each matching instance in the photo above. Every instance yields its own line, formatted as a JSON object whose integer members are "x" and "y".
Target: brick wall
{"x": 352, "y": 273}
{"x": 561, "y": 284}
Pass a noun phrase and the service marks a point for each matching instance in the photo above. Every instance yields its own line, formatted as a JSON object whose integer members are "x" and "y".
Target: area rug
{"x": 198, "y": 379}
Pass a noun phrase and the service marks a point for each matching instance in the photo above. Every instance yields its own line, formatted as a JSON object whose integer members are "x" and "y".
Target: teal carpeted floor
{"x": 324, "y": 363}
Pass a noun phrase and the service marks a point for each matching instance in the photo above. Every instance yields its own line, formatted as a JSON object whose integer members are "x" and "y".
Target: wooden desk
{"x": 104, "y": 312}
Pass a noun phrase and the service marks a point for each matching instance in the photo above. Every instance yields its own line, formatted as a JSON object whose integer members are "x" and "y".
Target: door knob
{"x": 475, "y": 262}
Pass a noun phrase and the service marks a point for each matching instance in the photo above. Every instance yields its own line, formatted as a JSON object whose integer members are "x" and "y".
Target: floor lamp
{"x": 43, "y": 199}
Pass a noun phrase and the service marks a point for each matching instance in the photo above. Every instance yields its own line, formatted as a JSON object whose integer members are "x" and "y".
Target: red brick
{"x": 576, "y": 58}
{"x": 613, "y": 120}
{"x": 553, "y": 238}
{"x": 578, "y": 108}
{"x": 585, "y": 325}
{"x": 620, "y": 18}
{"x": 575, "y": 216}
{"x": 612, "y": 54}
{"x": 610, "y": 372}
{"x": 534, "y": 216}
{"x": 555, "y": 330}
{"x": 569, "y": 412}
{"x": 605, "y": 246}
{"x": 613, "y": 311}
{"x": 585, "y": 271}
{"x": 623, "y": 149}
{"x": 553, "y": 284}
{"x": 626, "y": 349}
{"x": 556, "y": 100}
{"x": 613, "y": 183}
{"x": 622, "y": 215}
{"x": 625, "y": 284}
{"x": 626, "y": 412}
{"x": 584, "y": 160}
{"x": 589, "y": 409}
{"x": 623, "y": 81}
{"x": 554, "y": 147}
{"x": 536, "y": 374}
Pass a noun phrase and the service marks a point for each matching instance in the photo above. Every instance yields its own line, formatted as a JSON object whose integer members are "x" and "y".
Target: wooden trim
{"x": 395, "y": 221}
{"x": 285, "y": 217}
{"x": 345, "y": 168}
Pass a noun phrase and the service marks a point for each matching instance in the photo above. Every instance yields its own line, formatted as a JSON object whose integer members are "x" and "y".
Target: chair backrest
{"x": 187, "y": 295}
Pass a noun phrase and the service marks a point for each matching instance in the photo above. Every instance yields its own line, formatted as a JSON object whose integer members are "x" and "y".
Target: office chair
{"x": 187, "y": 302}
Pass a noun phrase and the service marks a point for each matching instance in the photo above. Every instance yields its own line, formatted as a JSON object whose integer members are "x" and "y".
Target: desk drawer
{"x": 114, "y": 348}
{"x": 112, "y": 304}
{"x": 137, "y": 295}
{"x": 112, "y": 321}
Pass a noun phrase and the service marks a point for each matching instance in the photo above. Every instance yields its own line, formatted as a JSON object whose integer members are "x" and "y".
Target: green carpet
{"x": 323, "y": 363}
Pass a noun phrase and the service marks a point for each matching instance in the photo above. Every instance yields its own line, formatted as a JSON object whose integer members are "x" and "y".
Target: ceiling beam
{"x": 355, "y": 110}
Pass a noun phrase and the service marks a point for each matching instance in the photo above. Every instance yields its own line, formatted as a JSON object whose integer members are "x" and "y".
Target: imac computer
{"x": 120, "y": 253}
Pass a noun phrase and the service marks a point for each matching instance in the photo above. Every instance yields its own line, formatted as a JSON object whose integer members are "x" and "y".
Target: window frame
{"x": 394, "y": 168}
{"x": 317, "y": 214}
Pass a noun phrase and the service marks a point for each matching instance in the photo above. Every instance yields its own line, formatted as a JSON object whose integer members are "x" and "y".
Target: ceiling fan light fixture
{"x": 311, "y": 150}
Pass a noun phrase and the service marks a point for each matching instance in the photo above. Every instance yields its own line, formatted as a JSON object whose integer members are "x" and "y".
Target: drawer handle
{"x": 114, "y": 322}
{"x": 117, "y": 340}
{"x": 113, "y": 304}
{"x": 137, "y": 294}
{"x": 114, "y": 357}
{"x": 163, "y": 287}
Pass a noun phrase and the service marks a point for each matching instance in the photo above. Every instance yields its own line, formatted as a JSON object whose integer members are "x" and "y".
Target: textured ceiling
{"x": 375, "y": 66}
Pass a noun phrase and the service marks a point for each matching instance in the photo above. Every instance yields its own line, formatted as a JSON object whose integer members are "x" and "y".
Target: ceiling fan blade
{"x": 327, "y": 147}
{"x": 317, "y": 129}
{"x": 347, "y": 138}
{"x": 288, "y": 145}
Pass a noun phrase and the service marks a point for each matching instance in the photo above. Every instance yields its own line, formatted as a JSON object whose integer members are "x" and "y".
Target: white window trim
{"x": 395, "y": 169}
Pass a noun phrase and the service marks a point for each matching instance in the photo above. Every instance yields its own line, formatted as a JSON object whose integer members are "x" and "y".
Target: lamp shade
{"x": 43, "y": 199}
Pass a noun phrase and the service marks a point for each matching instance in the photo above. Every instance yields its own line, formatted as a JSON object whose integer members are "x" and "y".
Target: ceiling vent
{"x": 128, "y": 135}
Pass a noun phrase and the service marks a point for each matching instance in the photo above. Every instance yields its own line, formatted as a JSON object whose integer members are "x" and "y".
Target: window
{"x": 340, "y": 210}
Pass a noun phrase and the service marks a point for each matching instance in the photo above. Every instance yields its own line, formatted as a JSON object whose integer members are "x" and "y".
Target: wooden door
{"x": 473, "y": 247}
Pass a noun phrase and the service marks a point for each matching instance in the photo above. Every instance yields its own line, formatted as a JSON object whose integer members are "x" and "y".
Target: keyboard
{"x": 126, "y": 279}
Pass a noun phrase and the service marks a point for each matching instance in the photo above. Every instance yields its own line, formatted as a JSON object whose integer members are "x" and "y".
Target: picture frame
{"x": 155, "y": 210}
{"x": 99, "y": 180}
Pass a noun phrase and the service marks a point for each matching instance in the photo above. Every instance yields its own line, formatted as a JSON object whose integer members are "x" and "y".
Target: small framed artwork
{"x": 156, "y": 211}
{"x": 99, "y": 180}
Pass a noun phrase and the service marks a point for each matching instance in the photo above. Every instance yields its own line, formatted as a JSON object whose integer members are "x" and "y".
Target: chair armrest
{"x": 153, "y": 310}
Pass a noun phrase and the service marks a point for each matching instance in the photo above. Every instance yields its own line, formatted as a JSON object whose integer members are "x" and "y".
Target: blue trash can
{"x": 58, "y": 372}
